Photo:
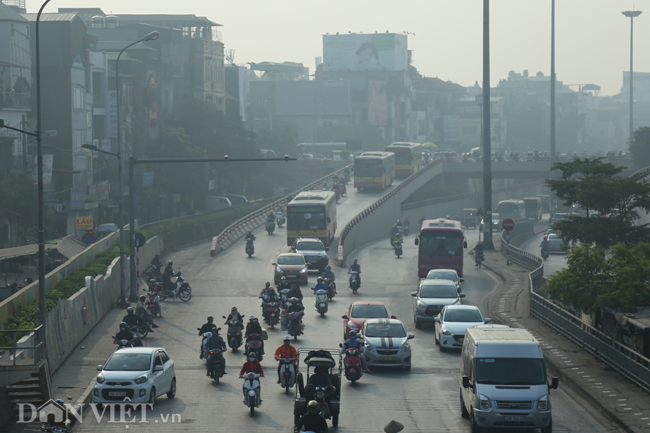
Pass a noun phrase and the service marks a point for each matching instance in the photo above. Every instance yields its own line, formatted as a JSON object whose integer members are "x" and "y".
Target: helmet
{"x": 142, "y": 298}
{"x": 328, "y": 268}
{"x": 233, "y": 309}
{"x": 294, "y": 300}
{"x": 123, "y": 325}
{"x": 152, "y": 281}
{"x": 256, "y": 319}
{"x": 171, "y": 262}
{"x": 252, "y": 355}
{"x": 287, "y": 338}
{"x": 59, "y": 401}
{"x": 210, "y": 318}
{"x": 252, "y": 317}
{"x": 399, "y": 222}
{"x": 352, "y": 334}
{"x": 312, "y": 403}
{"x": 250, "y": 231}
{"x": 130, "y": 310}
{"x": 319, "y": 279}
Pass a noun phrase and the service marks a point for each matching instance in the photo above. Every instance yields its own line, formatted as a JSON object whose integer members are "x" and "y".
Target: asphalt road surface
{"x": 424, "y": 399}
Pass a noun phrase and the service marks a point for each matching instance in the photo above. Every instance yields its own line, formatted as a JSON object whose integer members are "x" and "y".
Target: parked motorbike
{"x": 397, "y": 246}
{"x": 321, "y": 301}
{"x": 353, "y": 370}
{"x": 270, "y": 227}
{"x": 331, "y": 287}
{"x": 287, "y": 374}
{"x": 295, "y": 324}
{"x": 252, "y": 391}
{"x": 182, "y": 290}
{"x": 272, "y": 314}
{"x": 354, "y": 282}
{"x": 234, "y": 334}
{"x": 217, "y": 369}
{"x": 254, "y": 344}
{"x": 250, "y": 248}
{"x": 122, "y": 343}
{"x": 153, "y": 304}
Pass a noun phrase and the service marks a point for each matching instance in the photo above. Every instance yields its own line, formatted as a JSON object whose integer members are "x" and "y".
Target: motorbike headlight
{"x": 142, "y": 379}
{"x": 320, "y": 395}
{"x": 303, "y": 270}
{"x": 100, "y": 379}
{"x": 445, "y": 331}
{"x": 542, "y": 403}
{"x": 485, "y": 402}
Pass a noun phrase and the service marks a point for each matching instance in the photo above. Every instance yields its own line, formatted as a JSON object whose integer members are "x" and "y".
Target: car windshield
{"x": 443, "y": 275}
{"x": 306, "y": 218}
{"x": 441, "y": 243}
{"x": 552, "y": 236}
{"x": 454, "y": 315}
{"x": 369, "y": 311}
{"x": 385, "y": 330}
{"x": 510, "y": 371}
{"x": 310, "y": 246}
{"x": 291, "y": 260}
{"x": 438, "y": 291}
{"x": 121, "y": 361}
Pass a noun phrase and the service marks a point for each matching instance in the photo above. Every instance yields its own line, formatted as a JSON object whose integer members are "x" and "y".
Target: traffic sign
{"x": 140, "y": 240}
{"x": 88, "y": 239}
{"x": 508, "y": 224}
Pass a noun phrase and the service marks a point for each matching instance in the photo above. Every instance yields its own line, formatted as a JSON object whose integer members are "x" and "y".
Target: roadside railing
{"x": 27, "y": 346}
{"x": 255, "y": 219}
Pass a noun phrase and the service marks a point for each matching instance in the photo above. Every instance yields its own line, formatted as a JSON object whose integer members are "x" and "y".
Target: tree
{"x": 611, "y": 202}
{"x": 639, "y": 147}
{"x": 595, "y": 279}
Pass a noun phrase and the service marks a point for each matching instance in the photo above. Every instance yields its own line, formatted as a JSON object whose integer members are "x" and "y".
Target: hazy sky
{"x": 592, "y": 36}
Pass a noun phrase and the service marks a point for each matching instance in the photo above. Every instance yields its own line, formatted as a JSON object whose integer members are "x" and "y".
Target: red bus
{"x": 441, "y": 243}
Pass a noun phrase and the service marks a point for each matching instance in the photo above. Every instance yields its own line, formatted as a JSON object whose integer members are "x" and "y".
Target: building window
{"x": 78, "y": 98}
{"x": 78, "y": 138}
{"x": 470, "y": 130}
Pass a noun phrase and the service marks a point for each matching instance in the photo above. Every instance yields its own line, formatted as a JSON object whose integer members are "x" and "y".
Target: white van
{"x": 503, "y": 381}
{"x": 215, "y": 202}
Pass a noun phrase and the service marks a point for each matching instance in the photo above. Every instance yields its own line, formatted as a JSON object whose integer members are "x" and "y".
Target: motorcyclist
{"x": 407, "y": 223}
{"x": 253, "y": 327}
{"x": 168, "y": 272}
{"x": 234, "y": 315}
{"x": 295, "y": 292}
{"x": 355, "y": 267}
{"x": 295, "y": 307}
{"x": 207, "y": 327}
{"x": 328, "y": 273}
{"x": 124, "y": 333}
{"x": 252, "y": 366}
{"x": 67, "y": 421}
{"x": 271, "y": 296}
{"x": 354, "y": 343}
{"x": 422, "y": 219}
{"x": 320, "y": 379}
{"x": 284, "y": 284}
{"x": 395, "y": 230}
{"x": 320, "y": 285}
{"x": 545, "y": 245}
{"x": 132, "y": 319}
{"x": 142, "y": 311}
{"x": 250, "y": 236}
{"x": 280, "y": 215}
{"x": 312, "y": 421}
{"x": 285, "y": 351}
{"x": 265, "y": 290}
{"x": 215, "y": 342}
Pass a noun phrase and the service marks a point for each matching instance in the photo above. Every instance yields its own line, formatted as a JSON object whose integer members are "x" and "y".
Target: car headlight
{"x": 368, "y": 346}
{"x": 352, "y": 326}
{"x": 542, "y": 403}
{"x": 303, "y": 270}
{"x": 421, "y": 304}
{"x": 279, "y": 270}
{"x": 142, "y": 379}
{"x": 100, "y": 379}
{"x": 406, "y": 347}
{"x": 485, "y": 402}
{"x": 445, "y": 331}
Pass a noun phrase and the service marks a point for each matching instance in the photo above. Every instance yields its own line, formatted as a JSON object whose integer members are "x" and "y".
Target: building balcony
{"x": 17, "y": 101}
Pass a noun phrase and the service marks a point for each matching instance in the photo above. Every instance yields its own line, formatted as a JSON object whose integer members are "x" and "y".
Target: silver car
{"x": 386, "y": 343}
{"x": 431, "y": 297}
{"x": 556, "y": 243}
{"x": 446, "y": 274}
{"x": 453, "y": 321}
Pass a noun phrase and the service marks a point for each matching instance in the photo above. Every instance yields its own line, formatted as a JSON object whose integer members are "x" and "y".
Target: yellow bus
{"x": 408, "y": 158}
{"x": 374, "y": 170}
{"x": 312, "y": 214}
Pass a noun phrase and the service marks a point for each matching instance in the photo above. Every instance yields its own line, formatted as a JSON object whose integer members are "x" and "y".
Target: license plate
{"x": 385, "y": 358}
{"x": 515, "y": 418}
{"x": 291, "y": 276}
{"x": 117, "y": 394}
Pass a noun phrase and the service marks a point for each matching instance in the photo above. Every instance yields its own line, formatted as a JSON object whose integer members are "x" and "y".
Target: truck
{"x": 533, "y": 208}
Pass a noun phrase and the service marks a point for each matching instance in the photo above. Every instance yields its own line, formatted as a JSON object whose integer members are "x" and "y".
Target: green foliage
{"x": 595, "y": 279}
{"x": 370, "y": 135}
{"x": 597, "y": 188}
{"x": 639, "y": 147}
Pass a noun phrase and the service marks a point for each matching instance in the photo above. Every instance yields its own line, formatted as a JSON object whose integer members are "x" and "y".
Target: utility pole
{"x": 487, "y": 134}
{"x": 631, "y": 15}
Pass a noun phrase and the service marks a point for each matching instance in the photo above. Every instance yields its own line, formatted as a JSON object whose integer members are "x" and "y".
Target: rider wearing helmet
{"x": 142, "y": 311}
{"x": 250, "y": 235}
{"x": 320, "y": 285}
{"x": 354, "y": 343}
{"x": 271, "y": 296}
{"x": 215, "y": 343}
{"x": 252, "y": 365}
{"x": 295, "y": 292}
{"x": 284, "y": 284}
{"x": 312, "y": 421}
{"x": 285, "y": 351}
{"x": 234, "y": 315}
{"x": 132, "y": 319}
{"x": 356, "y": 267}
{"x": 295, "y": 307}
{"x": 124, "y": 333}
{"x": 328, "y": 273}
{"x": 253, "y": 327}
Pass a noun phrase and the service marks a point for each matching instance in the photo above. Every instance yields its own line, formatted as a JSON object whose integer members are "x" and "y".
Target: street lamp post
{"x": 151, "y": 36}
{"x": 487, "y": 133}
{"x": 631, "y": 15}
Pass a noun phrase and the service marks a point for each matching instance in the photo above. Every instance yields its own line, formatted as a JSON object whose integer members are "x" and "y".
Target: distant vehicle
{"x": 314, "y": 251}
{"x": 374, "y": 170}
{"x": 513, "y": 209}
{"x": 408, "y": 158}
{"x": 430, "y": 297}
{"x": 559, "y": 217}
{"x": 446, "y": 274}
{"x": 268, "y": 153}
{"x": 533, "y": 207}
{"x": 236, "y": 199}
{"x": 386, "y": 343}
{"x": 104, "y": 230}
{"x": 546, "y": 202}
{"x": 291, "y": 265}
{"x": 306, "y": 156}
{"x": 556, "y": 243}
{"x": 469, "y": 218}
{"x": 441, "y": 244}
{"x": 496, "y": 222}
{"x": 215, "y": 202}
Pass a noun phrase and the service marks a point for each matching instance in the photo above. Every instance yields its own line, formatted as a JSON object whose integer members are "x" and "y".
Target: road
{"x": 424, "y": 399}
{"x": 555, "y": 261}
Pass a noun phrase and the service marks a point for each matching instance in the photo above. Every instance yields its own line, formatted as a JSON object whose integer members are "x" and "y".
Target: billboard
{"x": 84, "y": 223}
{"x": 377, "y": 107}
{"x": 360, "y": 52}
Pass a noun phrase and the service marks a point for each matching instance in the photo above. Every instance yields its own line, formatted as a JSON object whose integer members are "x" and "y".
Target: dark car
{"x": 314, "y": 251}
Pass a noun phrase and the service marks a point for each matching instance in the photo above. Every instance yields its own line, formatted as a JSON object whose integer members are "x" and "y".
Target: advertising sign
{"x": 147, "y": 178}
{"x": 365, "y": 52}
{"x": 85, "y": 223}
{"x": 102, "y": 189}
{"x": 377, "y": 110}
{"x": 77, "y": 197}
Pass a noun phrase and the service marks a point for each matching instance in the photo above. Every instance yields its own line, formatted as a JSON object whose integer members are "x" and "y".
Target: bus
{"x": 513, "y": 209}
{"x": 312, "y": 214}
{"x": 374, "y": 170}
{"x": 441, "y": 243}
{"x": 408, "y": 158}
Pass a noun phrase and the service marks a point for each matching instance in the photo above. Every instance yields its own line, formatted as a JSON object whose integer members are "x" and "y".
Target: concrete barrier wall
{"x": 29, "y": 293}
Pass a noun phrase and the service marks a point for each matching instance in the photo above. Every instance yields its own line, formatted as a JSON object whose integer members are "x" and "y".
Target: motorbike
{"x": 153, "y": 304}
{"x": 250, "y": 248}
{"x": 397, "y": 246}
{"x": 480, "y": 257}
{"x": 353, "y": 371}
{"x": 337, "y": 190}
{"x": 321, "y": 301}
{"x": 217, "y": 370}
{"x": 254, "y": 344}
{"x": 545, "y": 254}
{"x": 354, "y": 282}
{"x": 295, "y": 324}
{"x": 234, "y": 334}
{"x": 279, "y": 220}
{"x": 270, "y": 227}
{"x": 405, "y": 230}
{"x": 182, "y": 290}
{"x": 286, "y": 303}
{"x": 252, "y": 391}
{"x": 331, "y": 287}
{"x": 272, "y": 314}
{"x": 342, "y": 187}
{"x": 287, "y": 374}
{"x": 122, "y": 343}
{"x": 139, "y": 332}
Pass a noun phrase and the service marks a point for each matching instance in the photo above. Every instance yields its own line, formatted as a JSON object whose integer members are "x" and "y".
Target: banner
{"x": 365, "y": 52}
{"x": 85, "y": 223}
{"x": 102, "y": 189}
{"x": 77, "y": 197}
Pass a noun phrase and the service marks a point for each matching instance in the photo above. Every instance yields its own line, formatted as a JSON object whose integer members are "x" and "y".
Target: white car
{"x": 138, "y": 375}
{"x": 446, "y": 274}
{"x": 386, "y": 343}
{"x": 431, "y": 297}
{"x": 453, "y": 321}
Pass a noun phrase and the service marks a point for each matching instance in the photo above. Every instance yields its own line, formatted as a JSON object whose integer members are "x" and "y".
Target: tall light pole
{"x": 150, "y": 37}
{"x": 631, "y": 15}
{"x": 553, "y": 84}
{"x": 487, "y": 133}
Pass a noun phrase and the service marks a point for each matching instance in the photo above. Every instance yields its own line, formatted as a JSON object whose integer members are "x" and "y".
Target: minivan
{"x": 503, "y": 381}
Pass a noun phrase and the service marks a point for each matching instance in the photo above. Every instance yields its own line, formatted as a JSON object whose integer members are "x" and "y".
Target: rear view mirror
{"x": 100, "y": 367}
{"x": 340, "y": 344}
{"x": 462, "y": 280}
{"x": 436, "y": 319}
{"x": 465, "y": 244}
{"x": 393, "y": 317}
{"x": 414, "y": 294}
{"x": 466, "y": 383}
{"x": 488, "y": 320}
{"x": 327, "y": 248}
{"x": 411, "y": 336}
{"x": 555, "y": 382}
{"x": 274, "y": 264}
{"x": 345, "y": 316}
{"x": 461, "y": 295}
{"x": 417, "y": 241}
{"x": 158, "y": 368}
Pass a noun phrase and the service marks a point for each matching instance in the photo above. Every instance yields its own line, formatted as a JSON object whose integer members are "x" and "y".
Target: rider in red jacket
{"x": 252, "y": 366}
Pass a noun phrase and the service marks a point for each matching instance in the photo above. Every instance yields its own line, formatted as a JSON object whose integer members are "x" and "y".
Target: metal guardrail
{"x": 26, "y": 355}
{"x": 527, "y": 261}
{"x": 257, "y": 218}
